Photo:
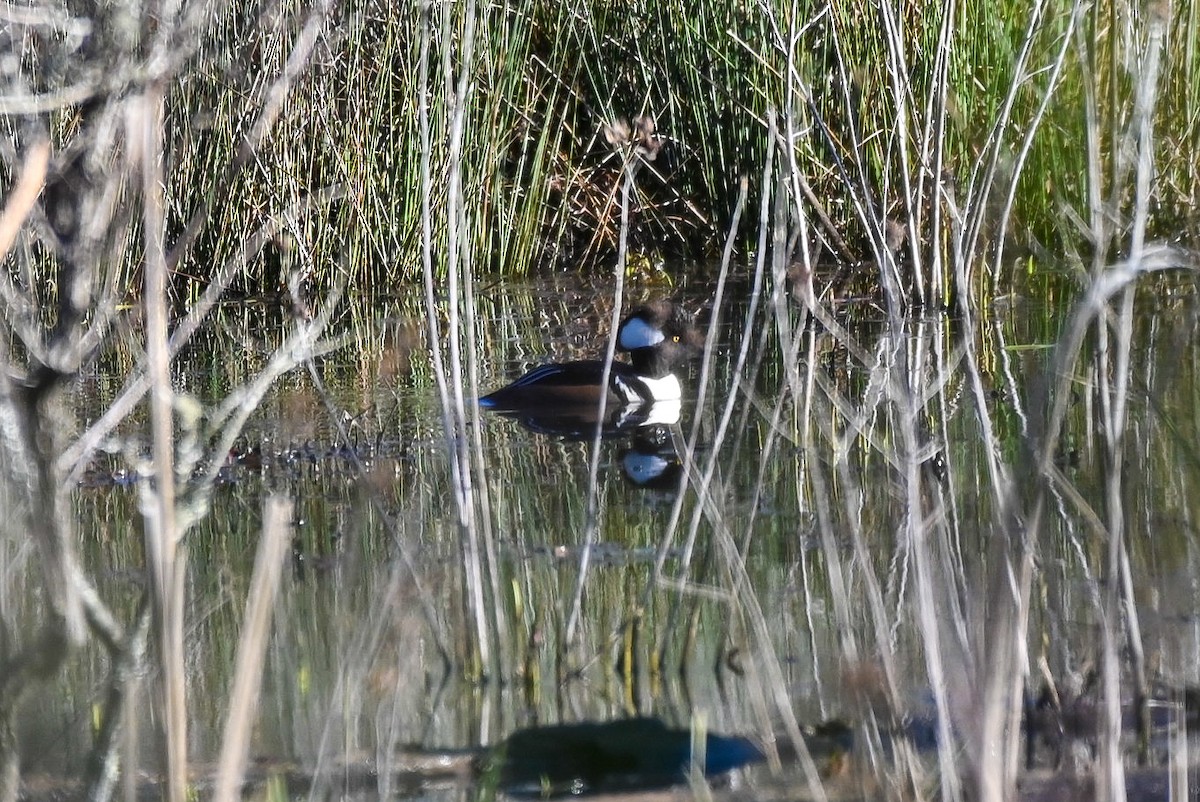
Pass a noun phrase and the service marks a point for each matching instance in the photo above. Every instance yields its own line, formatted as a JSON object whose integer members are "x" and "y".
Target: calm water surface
{"x": 795, "y": 516}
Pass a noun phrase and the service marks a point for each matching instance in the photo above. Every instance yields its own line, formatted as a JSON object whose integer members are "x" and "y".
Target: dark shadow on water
{"x": 618, "y": 756}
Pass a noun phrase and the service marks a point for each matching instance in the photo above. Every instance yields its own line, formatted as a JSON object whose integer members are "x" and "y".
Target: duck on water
{"x": 658, "y": 338}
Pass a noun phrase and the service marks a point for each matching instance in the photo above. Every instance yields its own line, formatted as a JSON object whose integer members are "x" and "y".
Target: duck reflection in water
{"x": 630, "y": 755}
{"x": 580, "y": 422}
{"x": 652, "y": 460}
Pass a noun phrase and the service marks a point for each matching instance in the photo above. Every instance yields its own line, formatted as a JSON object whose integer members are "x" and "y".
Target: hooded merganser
{"x": 658, "y": 337}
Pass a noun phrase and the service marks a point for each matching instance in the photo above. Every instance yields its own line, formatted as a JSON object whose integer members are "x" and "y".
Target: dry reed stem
{"x": 24, "y": 195}
{"x": 1031, "y": 131}
{"x": 984, "y": 174}
{"x": 899, "y": 68}
{"x": 166, "y": 557}
{"x": 458, "y": 281}
{"x": 710, "y": 348}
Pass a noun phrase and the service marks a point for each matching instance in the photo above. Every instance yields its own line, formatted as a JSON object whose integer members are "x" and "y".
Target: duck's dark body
{"x": 573, "y": 384}
{"x": 657, "y": 337}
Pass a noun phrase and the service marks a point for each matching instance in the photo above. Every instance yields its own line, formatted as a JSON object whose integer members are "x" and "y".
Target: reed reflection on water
{"x": 784, "y": 555}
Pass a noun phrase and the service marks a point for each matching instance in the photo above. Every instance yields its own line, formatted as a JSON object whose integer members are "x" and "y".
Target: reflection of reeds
{"x": 252, "y": 646}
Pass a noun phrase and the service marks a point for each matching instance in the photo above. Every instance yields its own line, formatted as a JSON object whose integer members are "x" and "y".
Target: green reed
{"x": 878, "y": 124}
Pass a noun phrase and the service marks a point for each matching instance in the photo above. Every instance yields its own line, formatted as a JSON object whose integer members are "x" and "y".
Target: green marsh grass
{"x": 887, "y": 109}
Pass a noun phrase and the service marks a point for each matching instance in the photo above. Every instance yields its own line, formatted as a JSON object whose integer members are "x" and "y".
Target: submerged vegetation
{"x": 949, "y": 504}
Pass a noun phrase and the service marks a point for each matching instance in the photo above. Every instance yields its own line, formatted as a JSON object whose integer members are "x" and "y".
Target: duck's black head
{"x": 659, "y": 337}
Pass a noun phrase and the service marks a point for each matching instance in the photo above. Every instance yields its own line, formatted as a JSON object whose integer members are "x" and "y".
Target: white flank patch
{"x": 637, "y": 333}
{"x": 665, "y": 389}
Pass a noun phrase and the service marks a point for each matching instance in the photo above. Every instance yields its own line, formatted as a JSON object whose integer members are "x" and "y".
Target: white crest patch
{"x": 637, "y": 333}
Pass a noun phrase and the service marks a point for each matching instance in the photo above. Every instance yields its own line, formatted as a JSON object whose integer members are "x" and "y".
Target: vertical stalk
{"x": 449, "y": 377}
{"x": 166, "y": 557}
{"x": 457, "y": 264}
{"x": 898, "y": 72}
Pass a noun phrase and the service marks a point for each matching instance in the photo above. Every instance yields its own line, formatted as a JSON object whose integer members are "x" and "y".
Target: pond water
{"x": 842, "y": 492}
